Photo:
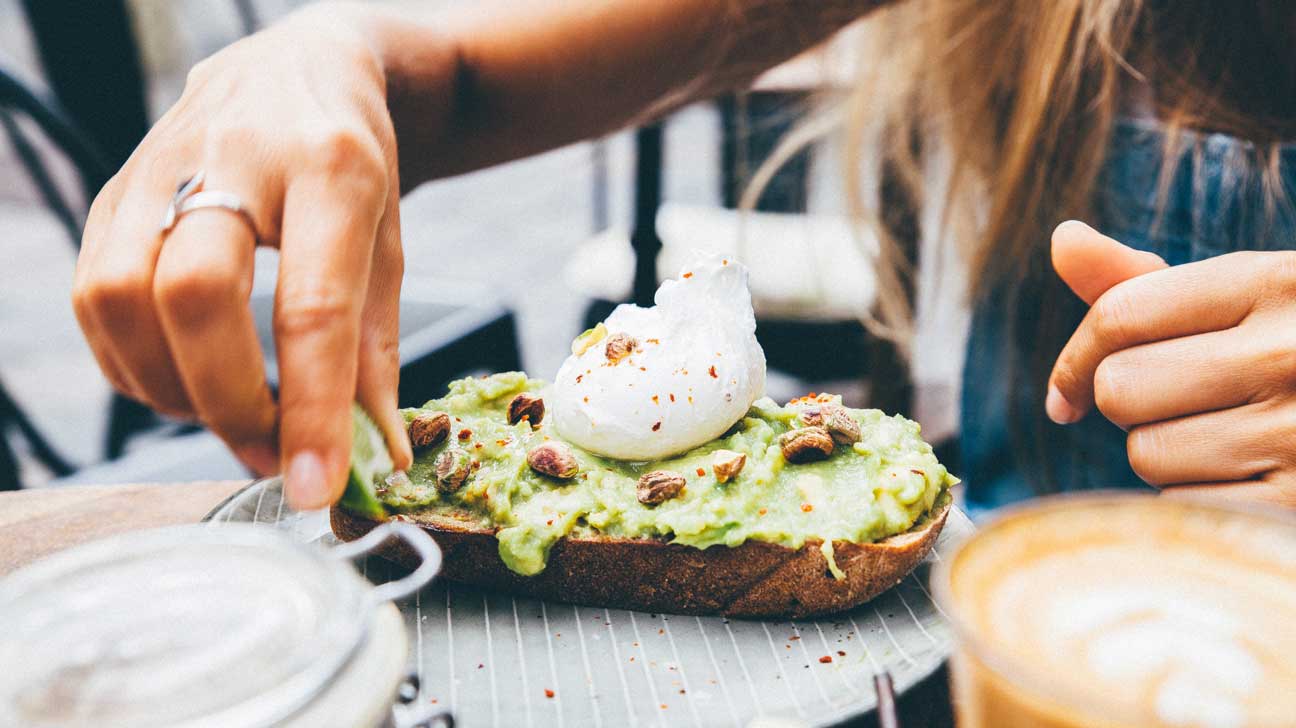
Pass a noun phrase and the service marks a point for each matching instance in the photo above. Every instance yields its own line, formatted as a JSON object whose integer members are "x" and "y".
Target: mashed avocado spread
{"x": 864, "y": 491}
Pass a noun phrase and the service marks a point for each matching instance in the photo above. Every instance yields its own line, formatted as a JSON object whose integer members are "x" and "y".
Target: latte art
{"x": 1170, "y": 614}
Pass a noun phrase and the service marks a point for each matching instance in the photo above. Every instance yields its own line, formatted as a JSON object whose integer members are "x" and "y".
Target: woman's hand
{"x": 294, "y": 122}
{"x": 1196, "y": 362}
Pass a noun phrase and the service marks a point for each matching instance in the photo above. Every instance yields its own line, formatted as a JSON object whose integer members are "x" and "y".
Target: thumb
{"x": 1090, "y": 262}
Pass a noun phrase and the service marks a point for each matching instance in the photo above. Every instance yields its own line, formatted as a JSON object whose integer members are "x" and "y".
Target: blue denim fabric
{"x": 1211, "y": 209}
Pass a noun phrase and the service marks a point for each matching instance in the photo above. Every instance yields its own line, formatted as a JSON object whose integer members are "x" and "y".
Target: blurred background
{"x": 504, "y": 266}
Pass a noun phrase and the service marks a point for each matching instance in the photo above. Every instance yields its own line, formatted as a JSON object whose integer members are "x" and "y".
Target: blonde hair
{"x": 1020, "y": 96}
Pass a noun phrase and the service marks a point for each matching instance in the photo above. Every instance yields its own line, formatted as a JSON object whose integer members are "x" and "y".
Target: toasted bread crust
{"x": 755, "y": 579}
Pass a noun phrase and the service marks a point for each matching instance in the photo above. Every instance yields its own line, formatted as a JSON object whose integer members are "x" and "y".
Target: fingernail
{"x": 1076, "y": 226}
{"x": 261, "y": 458}
{"x": 306, "y": 484}
{"x": 1059, "y": 410}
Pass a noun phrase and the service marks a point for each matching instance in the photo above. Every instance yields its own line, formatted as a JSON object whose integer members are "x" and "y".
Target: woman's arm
{"x": 507, "y": 79}
{"x": 316, "y": 125}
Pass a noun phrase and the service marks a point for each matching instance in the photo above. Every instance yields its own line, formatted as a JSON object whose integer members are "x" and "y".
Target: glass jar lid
{"x": 235, "y": 625}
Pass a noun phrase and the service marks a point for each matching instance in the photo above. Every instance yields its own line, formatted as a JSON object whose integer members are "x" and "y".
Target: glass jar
{"x": 207, "y": 625}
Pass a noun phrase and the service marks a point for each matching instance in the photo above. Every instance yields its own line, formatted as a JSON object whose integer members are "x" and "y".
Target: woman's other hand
{"x": 294, "y": 122}
{"x": 1196, "y": 362}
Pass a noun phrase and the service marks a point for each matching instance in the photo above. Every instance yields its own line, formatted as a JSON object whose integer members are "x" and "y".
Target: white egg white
{"x": 694, "y": 371}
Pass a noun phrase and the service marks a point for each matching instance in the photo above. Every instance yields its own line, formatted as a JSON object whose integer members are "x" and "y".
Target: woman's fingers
{"x": 1190, "y": 299}
{"x": 201, "y": 285}
{"x": 1090, "y": 262}
{"x": 1242, "y": 443}
{"x": 115, "y": 290}
{"x": 98, "y": 222}
{"x": 378, "y": 375}
{"x": 330, "y": 219}
{"x": 1183, "y": 376}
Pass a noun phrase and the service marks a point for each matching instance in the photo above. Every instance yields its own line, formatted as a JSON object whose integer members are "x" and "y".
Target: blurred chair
{"x": 18, "y": 101}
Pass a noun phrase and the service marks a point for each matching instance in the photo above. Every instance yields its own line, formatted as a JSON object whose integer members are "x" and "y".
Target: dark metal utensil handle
{"x": 886, "y": 705}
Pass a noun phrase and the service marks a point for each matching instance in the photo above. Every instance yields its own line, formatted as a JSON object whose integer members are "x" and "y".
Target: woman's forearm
{"x": 509, "y": 79}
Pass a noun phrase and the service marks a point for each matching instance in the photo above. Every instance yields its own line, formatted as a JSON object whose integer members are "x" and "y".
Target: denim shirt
{"x": 1211, "y": 209}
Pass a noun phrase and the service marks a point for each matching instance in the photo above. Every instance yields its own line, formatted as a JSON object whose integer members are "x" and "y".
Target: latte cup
{"x": 1117, "y": 611}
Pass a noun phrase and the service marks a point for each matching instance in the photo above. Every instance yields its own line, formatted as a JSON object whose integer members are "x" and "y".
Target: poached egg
{"x": 652, "y": 382}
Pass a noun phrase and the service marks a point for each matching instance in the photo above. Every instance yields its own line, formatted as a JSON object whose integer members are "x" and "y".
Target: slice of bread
{"x": 755, "y": 579}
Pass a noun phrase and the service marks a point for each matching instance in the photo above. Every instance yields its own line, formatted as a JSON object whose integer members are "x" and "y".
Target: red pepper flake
{"x": 712, "y": 372}
{"x": 672, "y": 397}
{"x": 688, "y": 275}
{"x": 480, "y": 666}
{"x": 549, "y": 693}
{"x": 826, "y": 659}
{"x": 762, "y": 512}
{"x": 478, "y": 446}
{"x": 701, "y": 472}
{"x": 654, "y": 399}
{"x": 915, "y": 471}
{"x": 476, "y": 464}
{"x": 643, "y": 369}
{"x": 841, "y": 653}
{"x": 549, "y": 522}
{"x": 465, "y": 433}
{"x": 657, "y": 425}
{"x": 794, "y": 637}
{"x": 579, "y": 377}
{"x": 806, "y": 507}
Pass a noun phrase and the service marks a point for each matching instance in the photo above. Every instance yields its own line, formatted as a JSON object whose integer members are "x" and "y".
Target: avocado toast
{"x": 797, "y": 510}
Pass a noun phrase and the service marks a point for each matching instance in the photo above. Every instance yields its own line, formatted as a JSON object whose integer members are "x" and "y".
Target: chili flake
{"x": 688, "y": 275}
{"x": 549, "y": 693}
{"x": 806, "y": 507}
{"x": 657, "y": 425}
{"x": 654, "y": 399}
{"x": 672, "y": 397}
{"x": 701, "y": 472}
{"x": 465, "y": 433}
{"x": 826, "y": 659}
{"x": 712, "y": 372}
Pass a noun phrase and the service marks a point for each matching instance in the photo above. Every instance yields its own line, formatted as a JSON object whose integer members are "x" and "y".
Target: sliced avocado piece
{"x": 369, "y": 462}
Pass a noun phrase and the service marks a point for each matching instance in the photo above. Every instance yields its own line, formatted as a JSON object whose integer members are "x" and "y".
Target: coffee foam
{"x": 1176, "y": 614}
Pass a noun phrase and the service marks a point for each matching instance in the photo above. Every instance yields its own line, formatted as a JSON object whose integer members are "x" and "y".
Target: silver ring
{"x": 190, "y": 196}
